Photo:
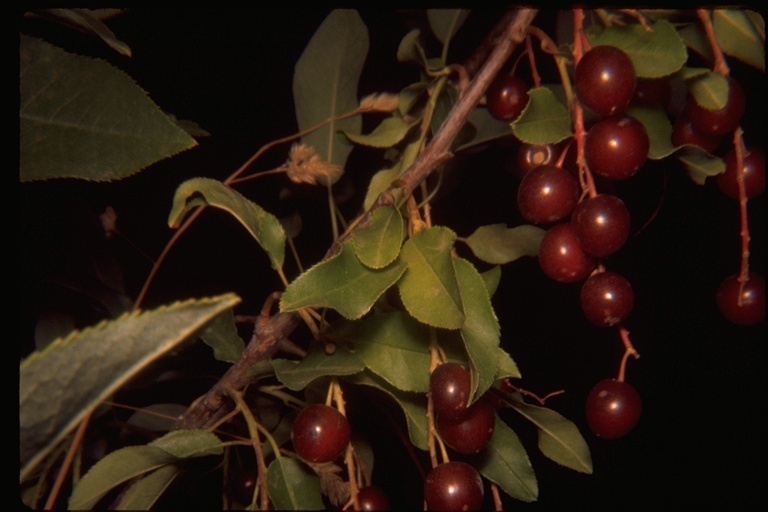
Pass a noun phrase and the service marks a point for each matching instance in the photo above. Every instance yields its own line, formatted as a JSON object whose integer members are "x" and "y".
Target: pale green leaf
{"x": 384, "y": 178}
{"x": 413, "y": 405}
{"x": 710, "y": 90}
{"x": 738, "y": 36}
{"x": 545, "y": 120}
{"x": 341, "y": 283}
{"x": 428, "y": 288}
{"x": 654, "y": 54}
{"x": 82, "y": 118}
{"x": 699, "y": 164}
{"x": 325, "y": 83}
{"x": 498, "y": 244}
{"x": 559, "y": 439}
{"x": 156, "y": 417}
{"x": 481, "y": 327}
{"x": 505, "y": 462}
{"x": 492, "y": 278}
{"x": 446, "y": 22}
{"x": 378, "y": 244}
{"x": 292, "y": 486}
{"x": 185, "y": 444}
{"x": 114, "y": 470}
{"x": 388, "y": 133}
{"x": 658, "y": 128}
{"x": 264, "y": 227}
{"x": 410, "y": 50}
{"x": 222, "y": 336}
{"x": 316, "y": 364}
{"x": 143, "y": 493}
{"x": 394, "y": 346}
{"x": 507, "y": 366}
{"x": 72, "y": 376}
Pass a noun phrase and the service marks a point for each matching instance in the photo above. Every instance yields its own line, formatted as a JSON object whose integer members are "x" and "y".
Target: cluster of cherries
{"x": 581, "y": 232}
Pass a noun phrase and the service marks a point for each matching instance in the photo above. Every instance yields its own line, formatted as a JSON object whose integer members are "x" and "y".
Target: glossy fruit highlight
{"x": 605, "y": 80}
{"x": 320, "y": 433}
{"x": 453, "y": 485}
{"x": 750, "y": 310}
{"x": 613, "y": 408}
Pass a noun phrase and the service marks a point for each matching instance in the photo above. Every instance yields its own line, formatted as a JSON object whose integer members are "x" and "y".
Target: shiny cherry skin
{"x": 602, "y": 224}
{"x": 450, "y": 385}
{"x": 320, "y": 433}
{"x": 683, "y": 133}
{"x": 605, "y": 80}
{"x": 751, "y": 311}
{"x": 470, "y": 432}
{"x": 547, "y": 194}
{"x": 372, "y": 498}
{"x": 613, "y": 408}
{"x": 506, "y": 97}
{"x": 616, "y": 147}
{"x": 752, "y": 174}
{"x": 530, "y": 156}
{"x": 607, "y": 298}
{"x": 453, "y": 485}
{"x": 561, "y": 256}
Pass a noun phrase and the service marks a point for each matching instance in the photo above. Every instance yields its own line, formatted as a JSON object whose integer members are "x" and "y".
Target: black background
{"x": 701, "y": 438}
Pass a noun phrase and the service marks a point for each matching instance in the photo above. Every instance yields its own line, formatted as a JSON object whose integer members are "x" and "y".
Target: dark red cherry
{"x": 684, "y": 133}
{"x": 604, "y": 80}
{"x": 616, "y": 147}
{"x": 752, "y": 173}
{"x": 506, "y": 97}
{"x": 450, "y": 385}
{"x": 602, "y": 224}
{"x": 613, "y": 408}
{"x": 320, "y": 433}
{"x": 562, "y": 257}
{"x": 607, "y": 298}
{"x": 547, "y": 194}
{"x": 372, "y": 498}
{"x": 742, "y": 306}
{"x": 721, "y": 121}
{"x": 470, "y": 432}
{"x": 453, "y": 485}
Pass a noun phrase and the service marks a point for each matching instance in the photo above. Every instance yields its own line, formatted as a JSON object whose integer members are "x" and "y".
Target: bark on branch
{"x": 272, "y": 331}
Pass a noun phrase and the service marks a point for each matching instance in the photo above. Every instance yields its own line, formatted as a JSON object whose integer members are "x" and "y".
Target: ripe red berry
{"x": 320, "y": 433}
{"x": 547, "y": 194}
{"x": 450, "y": 385}
{"x": 607, "y": 298}
{"x": 653, "y": 91}
{"x": 613, "y": 408}
{"x": 684, "y": 133}
{"x": 602, "y": 224}
{"x": 724, "y": 120}
{"x": 372, "y": 498}
{"x": 616, "y": 147}
{"x": 470, "y": 432}
{"x": 562, "y": 257}
{"x": 506, "y": 97}
{"x": 244, "y": 485}
{"x": 453, "y": 485}
{"x": 751, "y": 311}
{"x": 605, "y": 80}
{"x": 752, "y": 174}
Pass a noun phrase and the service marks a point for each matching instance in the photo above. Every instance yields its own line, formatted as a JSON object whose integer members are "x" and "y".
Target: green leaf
{"x": 388, "y": 133}
{"x": 394, "y": 346}
{"x": 559, "y": 439}
{"x": 156, "y": 417}
{"x": 658, "y": 128}
{"x": 492, "y": 278}
{"x": 292, "y": 486}
{"x": 545, "y": 120}
{"x": 487, "y": 129}
{"x": 384, "y": 178}
{"x": 378, "y": 244}
{"x": 316, "y": 364}
{"x": 498, "y": 244}
{"x": 125, "y": 464}
{"x": 699, "y": 164}
{"x": 507, "y": 366}
{"x": 72, "y": 376}
{"x": 710, "y": 90}
{"x": 87, "y": 21}
{"x": 654, "y": 54}
{"x": 341, "y": 283}
{"x": 413, "y": 405}
{"x": 82, "y": 118}
{"x": 505, "y": 462}
{"x": 114, "y": 470}
{"x": 446, "y": 22}
{"x": 738, "y": 36}
{"x": 264, "y": 227}
{"x": 481, "y": 327}
{"x": 428, "y": 288}
{"x": 221, "y": 335}
{"x": 325, "y": 83}
{"x": 143, "y": 493}
{"x": 410, "y": 50}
